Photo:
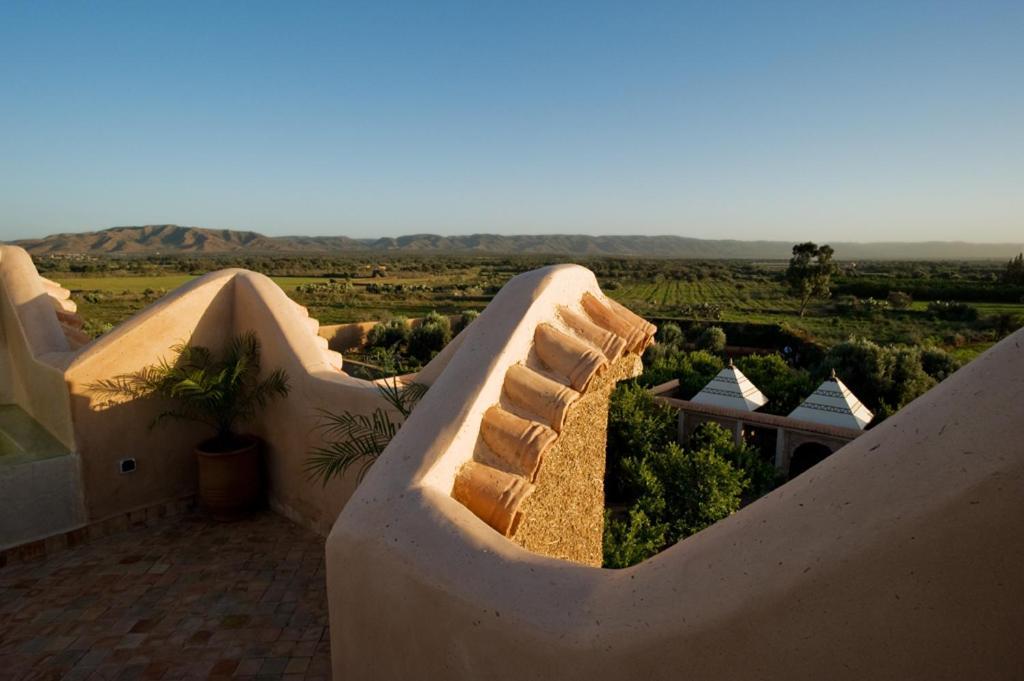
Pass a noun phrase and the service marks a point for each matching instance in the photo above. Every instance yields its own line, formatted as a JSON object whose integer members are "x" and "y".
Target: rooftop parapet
{"x": 897, "y": 557}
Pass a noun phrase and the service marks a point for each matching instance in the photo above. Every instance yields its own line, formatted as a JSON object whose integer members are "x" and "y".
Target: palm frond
{"x": 274, "y": 385}
{"x": 402, "y": 398}
{"x": 193, "y": 355}
{"x": 357, "y": 440}
{"x": 181, "y": 415}
{"x": 413, "y": 393}
{"x": 243, "y": 353}
{"x": 220, "y": 391}
{"x": 363, "y": 438}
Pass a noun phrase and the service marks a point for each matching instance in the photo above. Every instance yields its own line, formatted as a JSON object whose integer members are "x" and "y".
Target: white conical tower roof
{"x": 834, "y": 405}
{"x": 730, "y": 388}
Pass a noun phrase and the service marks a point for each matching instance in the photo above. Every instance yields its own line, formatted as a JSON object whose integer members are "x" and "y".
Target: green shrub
{"x": 712, "y": 339}
{"x": 672, "y": 492}
{"x": 637, "y": 426}
{"x": 693, "y": 369}
{"x": 885, "y": 378}
{"x": 784, "y": 386}
{"x": 430, "y": 336}
{"x": 872, "y": 307}
{"x": 631, "y": 540}
{"x": 662, "y": 363}
{"x": 392, "y": 334}
{"x": 465, "y": 319}
{"x": 899, "y": 300}
{"x": 675, "y": 492}
{"x": 1005, "y": 324}
{"x": 670, "y": 334}
{"x": 686, "y": 489}
{"x": 953, "y": 311}
{"x": 938, "y": 363}
{"x": 697, "y": 370}
{"x": 96, "y": 329}
{"x": 760, "y": 475}
{"x": 852, "y": 306}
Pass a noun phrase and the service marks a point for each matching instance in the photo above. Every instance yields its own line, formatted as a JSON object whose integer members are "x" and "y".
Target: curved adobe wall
{"x": 207, "y": 311}
{"x": 898, "y": 557}
{"x": 52, "y": 375}
{"x": 33, "y": 346}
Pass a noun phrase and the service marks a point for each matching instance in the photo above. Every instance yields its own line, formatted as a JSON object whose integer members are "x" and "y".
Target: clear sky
{"x": 749, "y": 120}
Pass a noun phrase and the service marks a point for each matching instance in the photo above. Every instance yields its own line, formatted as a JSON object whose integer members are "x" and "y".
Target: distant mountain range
{"x": 174, "y": 239}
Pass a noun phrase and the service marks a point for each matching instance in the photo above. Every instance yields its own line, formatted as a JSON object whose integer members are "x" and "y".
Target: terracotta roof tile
{"x": 606, "y": 332}
{"x": 612, "y": 345}
{"x": 569, "y": 356}
{"x": 518, "y": 441}
{"x": 636, "y": 336}
{"x": 494, "y": 496}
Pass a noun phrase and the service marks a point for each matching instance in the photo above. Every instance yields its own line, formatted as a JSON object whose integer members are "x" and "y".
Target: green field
{"x": 167, "y": 282}
{"x": 737, "y": 299}
{"x": 104, "y": 301}
{"x": 710, "y": 292}
{"x": 767, "y": 302}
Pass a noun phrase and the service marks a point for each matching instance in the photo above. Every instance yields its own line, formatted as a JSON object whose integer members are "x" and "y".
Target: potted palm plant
{"x": 222, "y": 392}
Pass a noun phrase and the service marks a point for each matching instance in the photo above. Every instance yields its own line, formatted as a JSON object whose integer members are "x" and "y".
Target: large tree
{"x": 810, "y": 271}
{"x": 1015, "y": 271}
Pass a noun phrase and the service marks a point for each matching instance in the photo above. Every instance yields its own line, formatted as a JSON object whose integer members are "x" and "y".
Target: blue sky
{"x": 757, "y": 120}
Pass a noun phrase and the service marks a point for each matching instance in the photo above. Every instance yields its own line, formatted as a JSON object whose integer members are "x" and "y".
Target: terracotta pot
{"x": 230, "y": 481}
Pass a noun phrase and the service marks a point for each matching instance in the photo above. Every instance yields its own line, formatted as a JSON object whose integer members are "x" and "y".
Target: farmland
{"x": 697, "y": 292}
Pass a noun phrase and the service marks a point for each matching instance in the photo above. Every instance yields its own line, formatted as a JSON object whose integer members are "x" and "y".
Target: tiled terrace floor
{"x": 189, "y": 598}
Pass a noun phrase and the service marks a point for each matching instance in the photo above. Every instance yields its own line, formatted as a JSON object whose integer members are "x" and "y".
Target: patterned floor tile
{"x": 189, "y": 598}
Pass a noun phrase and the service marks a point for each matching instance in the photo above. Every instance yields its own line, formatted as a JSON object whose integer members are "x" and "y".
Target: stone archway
{"x": 807, "y": 455}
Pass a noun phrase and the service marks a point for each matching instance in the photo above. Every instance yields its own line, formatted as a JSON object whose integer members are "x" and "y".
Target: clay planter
{"x": 230, "y": 479}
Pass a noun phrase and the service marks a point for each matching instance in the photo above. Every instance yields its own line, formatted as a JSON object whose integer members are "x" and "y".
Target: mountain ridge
{"x": 180, "y": 240}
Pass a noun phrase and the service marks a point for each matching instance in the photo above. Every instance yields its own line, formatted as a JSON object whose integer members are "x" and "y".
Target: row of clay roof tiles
{"x": 602, "y": 333}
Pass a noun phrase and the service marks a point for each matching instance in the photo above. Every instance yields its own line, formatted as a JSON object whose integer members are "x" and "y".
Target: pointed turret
{"x": 730, "y": 388}
{"x": 833, "y": 404}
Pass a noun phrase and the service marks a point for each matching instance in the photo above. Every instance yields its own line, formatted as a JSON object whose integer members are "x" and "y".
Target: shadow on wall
{"x": 106, "y": 434}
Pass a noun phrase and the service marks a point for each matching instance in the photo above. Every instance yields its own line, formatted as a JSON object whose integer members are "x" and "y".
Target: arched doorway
{"x": 806, "y": 455}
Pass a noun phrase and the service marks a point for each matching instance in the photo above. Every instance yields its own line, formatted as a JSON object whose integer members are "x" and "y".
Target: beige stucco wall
{"x": 346, "y": 337}
{"x": 33, "y": 347}
{"x": 207, "y": 312}
{"x": 37, "y": 497}
{"x": 288, "y": 426}
{"x": 896, "y": 558}
{"x": 52, "y": 384}
{"x": 198, "y": 313}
